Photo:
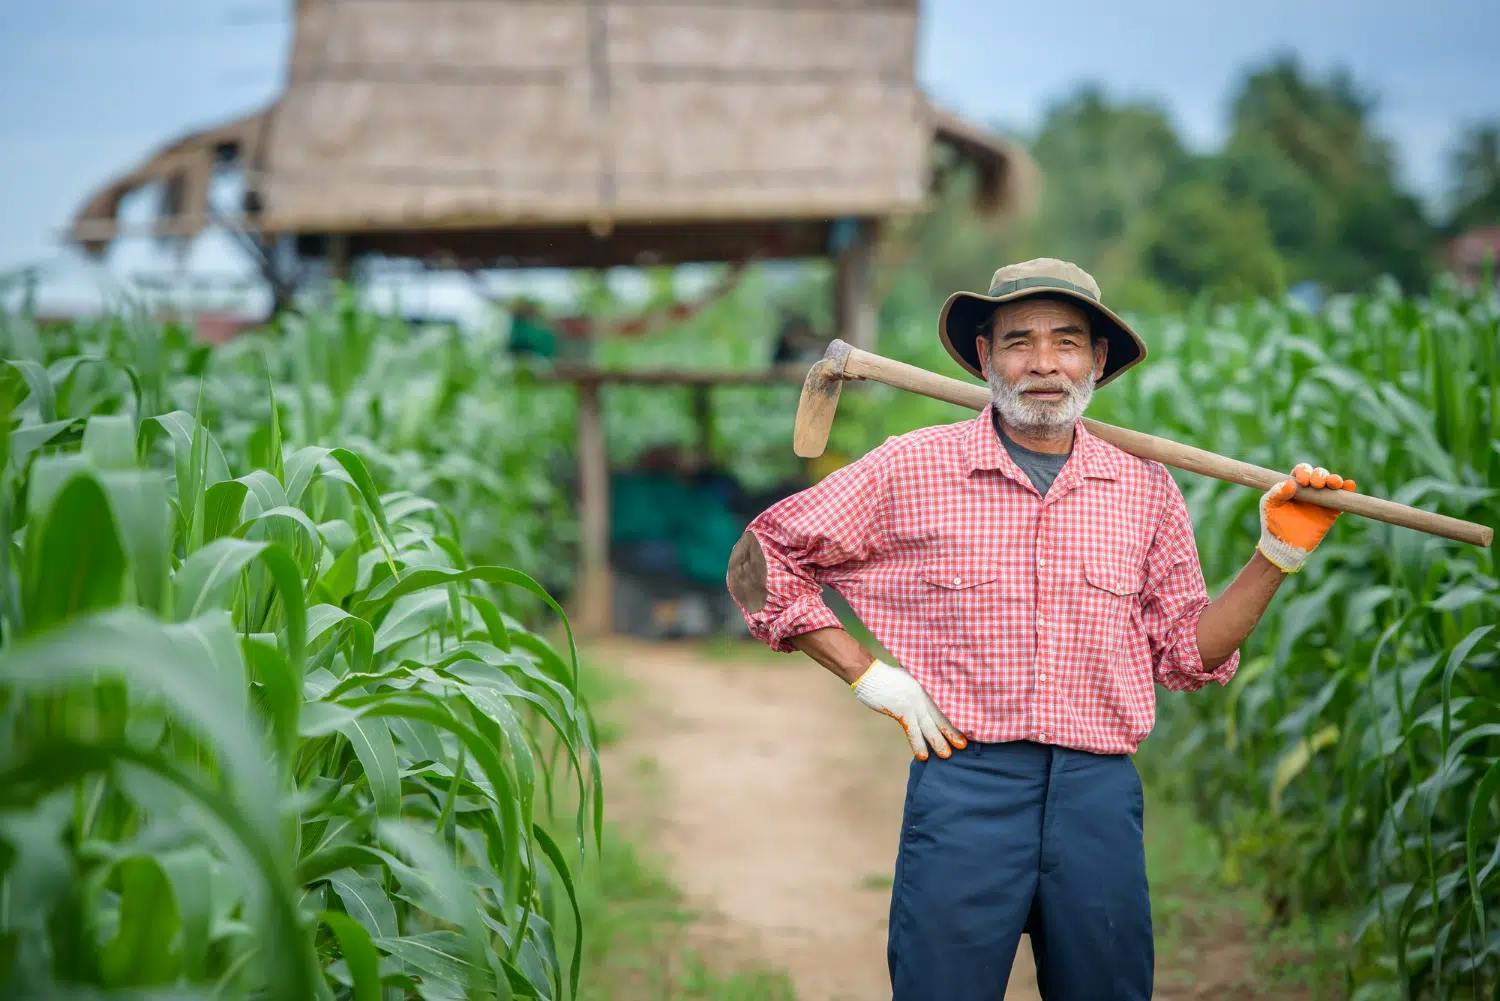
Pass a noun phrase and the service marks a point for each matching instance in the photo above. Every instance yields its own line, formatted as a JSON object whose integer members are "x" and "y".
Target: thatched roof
{"x": 402, "y": 119}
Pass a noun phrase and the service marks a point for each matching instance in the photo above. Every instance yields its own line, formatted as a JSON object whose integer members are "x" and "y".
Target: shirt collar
{"x": 1091, "y": 456}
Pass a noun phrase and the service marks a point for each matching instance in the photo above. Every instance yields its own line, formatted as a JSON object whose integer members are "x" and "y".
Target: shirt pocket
{"x": 961, "y": 601}
{"x": 1112, "y": 594}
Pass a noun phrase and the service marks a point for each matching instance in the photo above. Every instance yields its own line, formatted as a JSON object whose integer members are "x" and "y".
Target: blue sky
{"x": 94, "y": 85}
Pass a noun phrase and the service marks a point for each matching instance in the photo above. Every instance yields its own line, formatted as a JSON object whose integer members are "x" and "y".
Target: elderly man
{"x": 1034, "y": 583}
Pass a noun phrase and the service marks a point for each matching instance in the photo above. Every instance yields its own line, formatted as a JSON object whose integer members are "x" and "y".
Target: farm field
{"x": 388, "y": 387}
{"x": 284, "y": 672}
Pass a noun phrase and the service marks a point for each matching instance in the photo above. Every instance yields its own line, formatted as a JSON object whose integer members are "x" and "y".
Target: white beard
{"x": 1040, "y": 416}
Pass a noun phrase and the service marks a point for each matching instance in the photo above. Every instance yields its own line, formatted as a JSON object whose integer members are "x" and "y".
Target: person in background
{"x": 530, "y": 333}
{"x": 797, "y": 341}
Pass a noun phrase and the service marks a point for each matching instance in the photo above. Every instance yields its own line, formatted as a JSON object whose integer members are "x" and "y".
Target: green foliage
{"x": 445, "y": 414}
{"x": 1354, "y": 761}
{"x": 1214, "y": 939}
{"x": 1198, "y": 239}
{"x": 1304, "y": 189}
{"x": 1105, "y": 167}
{"x": 266, "y": 730}
{"x": 1320, "y": 127}
{"x": 751, "y": 425}
{"x": 1322, "y": 131}
{"x": 1474, "y": 167}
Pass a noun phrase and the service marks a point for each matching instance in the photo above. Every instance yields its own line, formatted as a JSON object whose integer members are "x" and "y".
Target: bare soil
{"x": 775, "y": 800}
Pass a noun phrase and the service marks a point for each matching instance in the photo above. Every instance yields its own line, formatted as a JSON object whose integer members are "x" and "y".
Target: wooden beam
{"x": 575, "y": 245}
{"x": 593, "y": 613}
{"x": 584, "y": 374}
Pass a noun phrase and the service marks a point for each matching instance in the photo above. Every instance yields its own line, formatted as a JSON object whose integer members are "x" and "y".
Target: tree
{"x": 1474, "y": 172}
{"x": 1304, "y": 189}
{"x": 1321, "y": 127}
{"x": 1298, "y": 216}
{"x": 1200, "y": 241}
{"x": 1336, "y": 211}
{"x": 1104, "y": 165}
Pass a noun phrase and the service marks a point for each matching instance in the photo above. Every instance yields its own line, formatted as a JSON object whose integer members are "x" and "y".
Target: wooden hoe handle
{"x": 857, "y": 364}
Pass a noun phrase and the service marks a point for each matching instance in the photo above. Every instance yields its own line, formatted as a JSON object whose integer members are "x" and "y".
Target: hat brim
{"x": 958, "y": 325}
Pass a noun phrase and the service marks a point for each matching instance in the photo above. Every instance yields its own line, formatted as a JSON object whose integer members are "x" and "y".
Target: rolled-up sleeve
{"x": 833, "y": 524}
{"x": 1173, "y": 599}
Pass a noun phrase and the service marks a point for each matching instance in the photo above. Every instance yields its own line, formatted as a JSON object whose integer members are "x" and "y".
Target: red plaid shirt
{"x": 1024, "y": 617}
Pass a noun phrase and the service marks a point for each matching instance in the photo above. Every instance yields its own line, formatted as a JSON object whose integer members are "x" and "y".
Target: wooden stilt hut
{"x": 580, "y": 133}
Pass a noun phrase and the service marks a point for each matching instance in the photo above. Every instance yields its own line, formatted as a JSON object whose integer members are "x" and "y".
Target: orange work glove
{"x": 1289, "y": 529}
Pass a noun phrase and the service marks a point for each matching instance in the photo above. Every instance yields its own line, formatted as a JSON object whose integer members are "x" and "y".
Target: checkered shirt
{"x": 1024, "y": 617}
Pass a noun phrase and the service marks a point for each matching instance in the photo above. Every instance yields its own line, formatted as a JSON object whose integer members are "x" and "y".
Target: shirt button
{"x": 1040, "y": 562}
{"x": 1042, "y": 735}
{"x": 1041, "y": 621}
{"x": 1042, "y": 676}
{"x": 958, "y": 581}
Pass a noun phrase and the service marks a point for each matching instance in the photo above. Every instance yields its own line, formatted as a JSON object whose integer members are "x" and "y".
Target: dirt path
{"x": 775, "y": 800}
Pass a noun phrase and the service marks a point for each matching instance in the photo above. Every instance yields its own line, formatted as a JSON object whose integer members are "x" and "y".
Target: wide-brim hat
{"x": 965, "y": 311}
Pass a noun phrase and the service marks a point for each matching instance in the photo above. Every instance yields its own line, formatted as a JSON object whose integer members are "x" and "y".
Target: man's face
{"x": 1040, "y": 367}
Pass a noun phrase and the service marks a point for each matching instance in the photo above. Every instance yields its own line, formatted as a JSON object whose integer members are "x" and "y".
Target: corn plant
{"x": 264, "y": 730}
{"x": 442, "y": 412}
{"x": 1355, "y": 759}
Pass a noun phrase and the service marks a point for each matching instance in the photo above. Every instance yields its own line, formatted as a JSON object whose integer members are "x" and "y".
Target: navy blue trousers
{"x": 1019, "y": 837}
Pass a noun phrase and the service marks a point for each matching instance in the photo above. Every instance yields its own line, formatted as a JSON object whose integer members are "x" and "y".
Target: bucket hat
{"x": 964, "y": 311}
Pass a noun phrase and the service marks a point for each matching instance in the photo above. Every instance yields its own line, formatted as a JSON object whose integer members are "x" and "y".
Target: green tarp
{"x": 692, "y": 519}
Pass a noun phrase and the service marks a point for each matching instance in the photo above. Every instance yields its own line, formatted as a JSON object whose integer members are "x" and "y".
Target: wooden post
{"x": 592, "y": 613}
{"x": 854, "y": 314}
{"x": 703, "y": 414}
{"x": 338, "y": 257}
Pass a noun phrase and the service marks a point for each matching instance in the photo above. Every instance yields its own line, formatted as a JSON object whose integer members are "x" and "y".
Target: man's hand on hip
{"x": 892, "y": 691}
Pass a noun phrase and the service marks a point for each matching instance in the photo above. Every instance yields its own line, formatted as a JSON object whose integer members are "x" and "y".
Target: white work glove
{"x": 892, "y": 691}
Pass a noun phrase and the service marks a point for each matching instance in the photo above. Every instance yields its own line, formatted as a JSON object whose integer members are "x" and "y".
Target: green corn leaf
{"x": 181, "y": 428}
{"x": 207, "y": 576}
{"x": 451, "y": 898}
{"x": 372, "y": 744}
{"x": 440, "y": 956}
{"x": 323, "y": 620}
{"x": 74, "y": 562}
{"x": 25, "y": 440}
{"x": 234, "y": 830}
{"x": 366, "y": 901}
{"x": 1456, "y": 659}
{"x": 222, "y": 504}
{"x": 109, "y": 440}
{"x": 281, "y": 689}
{"x": 560, "y": 867}
{"x": 143, "y": 951}
{"x": 1481, "y": 810}
{"x": 190, "y": 873}
{"x": 358, "y": 953}
{"x": 40, "y": 395}
{"x": 138, "y": 500}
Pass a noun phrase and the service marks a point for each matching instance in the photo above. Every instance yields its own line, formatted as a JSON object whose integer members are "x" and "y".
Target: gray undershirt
{"x": 1041, "y": 467}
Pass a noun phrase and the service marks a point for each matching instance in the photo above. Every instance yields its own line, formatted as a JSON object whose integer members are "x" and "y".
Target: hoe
{"x": 842, "y": 362}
